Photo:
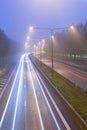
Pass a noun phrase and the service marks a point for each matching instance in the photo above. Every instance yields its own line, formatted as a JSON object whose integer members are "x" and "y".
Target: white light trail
{"x": 51, "y": 111}
{"x": 18, "y": 93}
{"x": 57, "y": 109}
{"x": 4, "y": 113}
{"x": 41, "y": 122}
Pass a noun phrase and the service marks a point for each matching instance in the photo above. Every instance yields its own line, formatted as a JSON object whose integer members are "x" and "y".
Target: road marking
{"x": 41, "y": 122}
{"x": 51, "y": 111}
{"x": 56, "y": 107}
{"x": 3, "y": 79}
{"x": 1, "y": 85}
{"x": 6, "y": 85}
{"x": 3, "y": 115}
{"x": 25, "y": 107}
{"x": 18, "y": 93}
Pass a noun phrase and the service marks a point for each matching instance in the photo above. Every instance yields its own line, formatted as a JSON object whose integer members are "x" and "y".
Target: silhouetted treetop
{"x": 71, "y": 42}
{"x": 4, "y": 44}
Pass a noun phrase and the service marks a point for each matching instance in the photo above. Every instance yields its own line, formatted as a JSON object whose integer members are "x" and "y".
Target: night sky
{"x": 17, "y": 15}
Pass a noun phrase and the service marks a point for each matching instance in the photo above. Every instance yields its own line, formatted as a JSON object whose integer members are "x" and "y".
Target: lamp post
{"x": 26, "y": 45}
{"x": 42, "y": 46}
{"x": 34, "y": 50}
{"x": 51, "y": 34}
{"x": 40, "y": 51}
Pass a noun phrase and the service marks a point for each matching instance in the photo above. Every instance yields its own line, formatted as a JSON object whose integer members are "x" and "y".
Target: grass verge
{"x": 76, "y": 97}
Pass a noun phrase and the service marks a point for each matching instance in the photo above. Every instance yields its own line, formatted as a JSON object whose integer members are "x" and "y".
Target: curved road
{"x": 33, "y": 104}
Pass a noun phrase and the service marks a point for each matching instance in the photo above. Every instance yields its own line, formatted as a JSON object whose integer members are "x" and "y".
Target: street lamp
{"x": 31, "y": 28}
{"x": 28, "y": 38}
{"x": 35, "y": 49}
{"x": 42, "y": 46}
{"x": 26, "y": 45}
{"x": 51, "y": 38}
{"x": 40, "y": 49}
{"x": 40, "y": 52}
{"x": 72, "y": 27}
{"x": 39, "y": 43}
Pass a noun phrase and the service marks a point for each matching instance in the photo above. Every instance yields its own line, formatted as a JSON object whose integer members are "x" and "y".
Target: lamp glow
{"x": 31, "y": 28}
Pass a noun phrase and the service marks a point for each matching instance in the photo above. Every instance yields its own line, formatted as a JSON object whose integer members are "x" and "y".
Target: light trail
{"x": 18, "y": 93}
{"x": 76, "y": 73}
{"x": 54, "y": 118}
{"x": 57, "y": 109}
{"x": 4, "y": 113}
{"x": 67, "y": 68}
{"x": 41, "y": 122}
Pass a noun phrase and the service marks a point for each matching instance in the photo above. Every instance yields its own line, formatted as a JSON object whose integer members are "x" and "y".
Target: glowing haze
{"x": 17, "y": 15}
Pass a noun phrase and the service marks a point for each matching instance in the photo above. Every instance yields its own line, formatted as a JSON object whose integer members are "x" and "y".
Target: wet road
{"x": 33, "y": 104}
{"x": 76, "y": 76}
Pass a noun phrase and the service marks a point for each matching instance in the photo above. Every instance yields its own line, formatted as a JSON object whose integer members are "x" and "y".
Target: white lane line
{"x": 3, "y": 79}
{"x": 25, "y": 107}
{"x": 6, "y": 85}
{"x": 56, "y": 107}
{"x": 41, "y": 122}
{"x": 51, "y": 111}
{"x": 18, "y": 93}
{"x": 1, "y": 85}
{"x": 3, "y": 115}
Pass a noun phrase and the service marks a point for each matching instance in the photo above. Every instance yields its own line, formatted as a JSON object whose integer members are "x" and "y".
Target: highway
{"x": 32, "y": 103}
{"x": 75, "y": 75}
{"x": 10, "y": 105}
{"x": 5, "y": 77}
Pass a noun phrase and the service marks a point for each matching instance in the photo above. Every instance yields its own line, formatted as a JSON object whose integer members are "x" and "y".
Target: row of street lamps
{"x": 51, "y": 40}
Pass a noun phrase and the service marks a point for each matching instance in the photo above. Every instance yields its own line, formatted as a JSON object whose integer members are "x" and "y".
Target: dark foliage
{"x": 4, "y": 44}
{"x": 70, "y": 42}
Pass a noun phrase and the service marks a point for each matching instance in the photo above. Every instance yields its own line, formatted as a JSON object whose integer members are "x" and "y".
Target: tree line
{"x": 4, "y": 44}
{"x": 9, "y": 49}
{"x": 8, "y": 45}
{"x": 70, "y": 42}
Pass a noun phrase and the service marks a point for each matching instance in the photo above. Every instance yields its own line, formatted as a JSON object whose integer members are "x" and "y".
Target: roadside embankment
{"x": 76, "y": 97}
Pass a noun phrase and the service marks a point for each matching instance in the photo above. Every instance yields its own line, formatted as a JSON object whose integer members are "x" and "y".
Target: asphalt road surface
{"x": 76, "y": 76}
{"x": 32, "y": 104}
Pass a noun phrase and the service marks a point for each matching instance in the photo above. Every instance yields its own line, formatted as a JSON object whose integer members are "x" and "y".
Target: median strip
{"x": 76, "y": 97}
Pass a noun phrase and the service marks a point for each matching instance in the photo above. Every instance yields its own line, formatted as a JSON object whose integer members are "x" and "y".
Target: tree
{"x": 4, "y": 44}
